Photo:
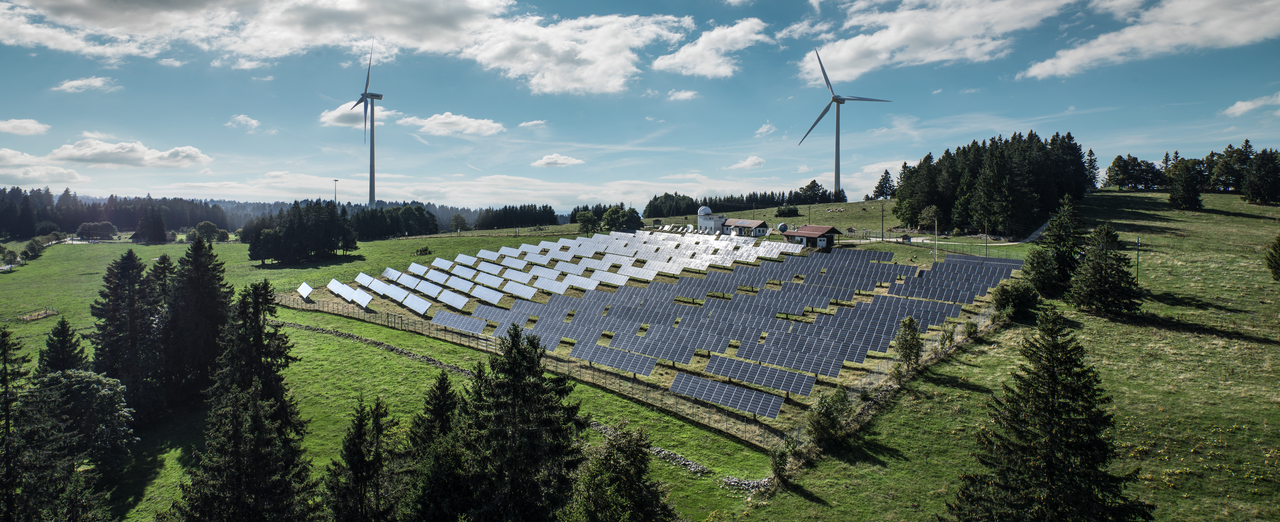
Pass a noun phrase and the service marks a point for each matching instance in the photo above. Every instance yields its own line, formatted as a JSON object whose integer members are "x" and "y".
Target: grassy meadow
{"x": 1193, "y": 377}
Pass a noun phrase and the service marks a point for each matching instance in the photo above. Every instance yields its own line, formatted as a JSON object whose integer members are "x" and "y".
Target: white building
{"x": 709, "y": 223}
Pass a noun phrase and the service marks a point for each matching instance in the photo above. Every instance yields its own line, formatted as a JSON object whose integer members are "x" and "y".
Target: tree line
{"x": 1253, "y": 174}
{"x": 25, "y": 214}
{"x": 678, "y": 204}
{"x": 512, "y": 216}
{"x": 1006, "y": 186}
{"x": 304, "y": 232}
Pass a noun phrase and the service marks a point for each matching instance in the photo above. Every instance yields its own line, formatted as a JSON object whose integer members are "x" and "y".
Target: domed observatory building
{"x": 709, "y": 223}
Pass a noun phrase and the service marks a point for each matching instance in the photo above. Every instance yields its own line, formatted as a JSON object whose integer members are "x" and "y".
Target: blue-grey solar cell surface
{"x": 459, "y": 322}
{"x": 781, "y": 380}
{"x": 728, "y": 395}
{"x": 625, "y": 361}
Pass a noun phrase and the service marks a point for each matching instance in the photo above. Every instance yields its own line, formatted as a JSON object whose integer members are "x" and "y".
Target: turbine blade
{"x": 815, "y": 122}
{"x": 824, "y": 73}
{"x": 366, "y": 122}
{"x": 368, "y": 74}
{"x": 358, "y": 102}
{"x": 859, "y": 98}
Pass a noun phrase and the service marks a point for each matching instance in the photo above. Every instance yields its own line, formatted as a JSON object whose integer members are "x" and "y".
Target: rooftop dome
{"x": 704, "y": 211}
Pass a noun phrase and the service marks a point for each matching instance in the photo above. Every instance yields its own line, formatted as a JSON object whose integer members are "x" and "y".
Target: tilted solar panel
{"x": 442, "y": 263}
{"x": 464, "y": 272}
{"x": 487, "y": 294}
{"x": 391, "y": 273}
{"x": 519, "y": 290}
{"x": 360, "y": 297}
{"x": 305, "y": 290}
{"x": 417, "y": 304}
{"x": 727, "y": 395}
{"x": 783, "y": 380}
{"x": 437, "y": 276}
{"x": 364, "y": 279}
{"x": 455, "y": 301}
{"x": 486, "y": 254}
{"x": 464, "y": 259}
{"x": 417, "y": 269}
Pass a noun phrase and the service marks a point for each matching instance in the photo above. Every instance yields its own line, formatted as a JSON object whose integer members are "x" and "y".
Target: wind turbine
{"x": 367, "y": 98}
{"x": 838, "y": 100}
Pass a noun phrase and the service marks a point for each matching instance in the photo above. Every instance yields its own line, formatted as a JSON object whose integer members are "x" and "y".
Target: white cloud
{"x": 925, "y": 31}
{"x": 13, "y": 158}
{"x": 345, "y": 116}
{"x": 737, "y": 3}
{"x": 765, "y": 130}
{"x": 805, "y": 28}
{"x": 1241, "y": 107}
{"x": 39, "y": 174}
{"x": 675, "y": 95}
{"x": 706, "y": 56}
{"x": 593, "y": 54}
{"x": 93, "y": 82}
{"x": 448, "y": 123}
{"x": 1121, "y": 9}
{"x": 1171, "y": 26}
{"x": 263, "y": 78}
{"x": 802, "y": 169}
{"x": 556, "y": 160}
{"x": 752, "y": 162}
{"x": 171, "y": 62}
{"x": 969, "y": 91}
{"x": 101, "y": 154}
{"x": 936, "y": 91}
{"x": 249, "y": 64}
{"x": 650, "y": 93}
{"x": 241, "y": 121}
{"x": 651, "y": 118}
{"x": 23, "y": 127}
{"x": 535, "y": 124}
{"x": 97, "y": 135}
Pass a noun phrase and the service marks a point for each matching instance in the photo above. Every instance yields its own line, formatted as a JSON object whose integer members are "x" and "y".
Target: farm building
{"x": 813, "y": 236}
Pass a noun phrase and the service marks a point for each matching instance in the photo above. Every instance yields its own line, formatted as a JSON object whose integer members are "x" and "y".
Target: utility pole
{"x": 335, "y": 192}
{"x": 881, "y": 221}
{"x": 1138, "y": 254}
{"x": 985, "y": 238}
{"x": 935, "y": 240}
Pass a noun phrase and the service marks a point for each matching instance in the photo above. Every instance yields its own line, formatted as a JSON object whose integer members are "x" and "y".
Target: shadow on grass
{"x": 865, "y": 449}
{"x": 1178, "y": 325}
{"x": 808, "y": 496}
{"x": 1186, "y": 301}
{"x": 322, "y": 263}
{"x": 1125, "y": 207}
{"x": 1229, "y": 213}
{"x": 182, "y": 430}
{"x": 950, "y": 381}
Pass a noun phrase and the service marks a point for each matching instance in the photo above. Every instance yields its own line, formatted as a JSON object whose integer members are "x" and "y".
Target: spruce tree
{"x": 437, "y": 416}
{"x": 1272, "y": 258}
{"x": 127, "y": 346}
{"x": 11, "y": 473}
{"x": 199, "y": 308}
{"x": 521, "y": 437}
{"x": 359, "y": 488}
{"x": 908, "y": 342}
{"x": 884, "y": 189}
{"x": 1051, "y": 265}
{"x": 1103, "y": 283}
{"x": 1185, "y": 179}
{"x": 614, "y": 484}
{"x": 62, "y": 350}
{"x": 1046, "y": 452}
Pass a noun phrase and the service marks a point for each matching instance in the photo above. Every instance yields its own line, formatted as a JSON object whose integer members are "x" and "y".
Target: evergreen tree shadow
{"x": 1185, "y": 301}
{"x": 318, "y": 263}
{"x": 809, "y": 496}
{"x": 1229, "y": 213}
{"x": 1124, "y": 207}
{"x": 180, "y": 430}
{"x": 864, "y": 447}
{"x": 1147, "y": 320}
{"x": 950, "y": 381}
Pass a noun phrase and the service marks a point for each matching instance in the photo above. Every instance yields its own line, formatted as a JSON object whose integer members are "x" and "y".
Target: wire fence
{"x": 751, "y": 430}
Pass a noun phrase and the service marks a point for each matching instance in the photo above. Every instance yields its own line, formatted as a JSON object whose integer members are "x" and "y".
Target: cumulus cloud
{"x": 101, "y": 154}
{"x": 737, "y": 3}
{"x": 97, "y": 135}
{"x": 706, "y": 56}
{"x": 1119, "y": 8}
{"x": 556, "y": 160}
{"x": 448, "y": 123}
{"x": 241, "y": 121}
{"x": 345, "y": 116}
{"x": 925, "y": 31}
{"x": 535, "y": 124}
{"x": 23, "y": 127}
{"x": 752, "y": 162}
{"x": 93, "y": 82}
{"x": 803, "y": 169}
{"x": 39, "y": 174}
{"x": 171, "y": 62}
{"x": 765, "y": 130}
{"x": 13, "y": 158}
{"x": 243, "y": 63}
{"x": 675, "y": 95}
{"x": 593, "y": 54}
{"x": 1240, "y": 107}
{"x": 1171, "y": 26}
{"x": 805, "y": 28}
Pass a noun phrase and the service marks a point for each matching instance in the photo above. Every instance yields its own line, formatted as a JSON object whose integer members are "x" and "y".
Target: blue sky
{"x": 492, "y": 102}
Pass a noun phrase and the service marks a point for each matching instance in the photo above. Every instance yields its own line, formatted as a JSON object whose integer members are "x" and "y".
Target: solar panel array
{"x": 455, "y": 301}
{"x": 459, "y": 322}
{"x": 625, "y": 361}
{"x": 417, "y": 304}
{"x": 486, "y": 294}
{"x": 958, "y": 279}
{"x": 768, "y": 377}
{"x": 728, "y": 395}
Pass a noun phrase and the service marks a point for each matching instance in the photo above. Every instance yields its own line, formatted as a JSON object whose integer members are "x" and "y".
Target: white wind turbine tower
{"x": 367, "y": 98}
{"x": 838, "y": 100}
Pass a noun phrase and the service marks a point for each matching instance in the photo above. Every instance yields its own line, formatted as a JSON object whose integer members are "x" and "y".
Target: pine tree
{"x": 199, "y": 308}
{"x": 437, "y": 416}
{"x": 11, "y": 472}
{"x": 127, "y": 346}
{"x": 520, "y": 435}
{"x": 62, "y": 350}
{"x": 89, "y": 411}
{"x": 1050, "y": 271}
{"x": 884, "y": 189}
{"x": 1272, "y": 258}
{"x": 1185, "y": 179}
{"x": 360, "y": 486}
{"x": 908, "y": 342}
{"x": 614, "y": 484}
{"x": 1103, "y": 283}
{"x": 1047, "y": 452}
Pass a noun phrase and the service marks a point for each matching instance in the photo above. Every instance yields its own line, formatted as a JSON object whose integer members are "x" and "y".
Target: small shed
{"x": 813, "y": 236}
{"x": 746, "y": 227}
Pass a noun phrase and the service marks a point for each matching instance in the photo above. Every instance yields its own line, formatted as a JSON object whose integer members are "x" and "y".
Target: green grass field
{"x": 1193, "y": 378}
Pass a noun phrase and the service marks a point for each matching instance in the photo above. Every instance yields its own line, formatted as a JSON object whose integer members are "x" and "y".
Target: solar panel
{"x": 360, "y": 297}
{"x": 625, "y": 361}
{"x": 364, "y": 279}
{"x": 464, "y": 272}
{"x": 459, "y": 283}
{"x": 417, "y": 304}
{"x": 442, "y": 263}
{"x": 798, "y": 383}
{"x": 544, "y": 272}
{"x": 580, "y": 282}
{"x": 486, "y": 294}
{"x": 727, "y": 395}
{"x": 417, "y": 269}
{"x": 464, "y": 259}
{"x": 455, "y": 301}
{"x": 609, "y": 277}
{"x": 339, "y": 289}
{"x": 305, "y": 290}
{"x": 459, "y": 322}
{"x": 508, "y": 251}
{"x": 550, "y": 285}
{"x": 394, "y": 292}
{"x": 391, "y": 273}
{"x": 490, "y": 268}
{"x": 408, "y": 280}
{"x": 489, "y": 280}
{"x": 519, "y": 290}
{"x": 429, "y": 289}
{"x": 485, "y": 254}
{"x": 512, "y": 262}
{"x": 518, "y": 276}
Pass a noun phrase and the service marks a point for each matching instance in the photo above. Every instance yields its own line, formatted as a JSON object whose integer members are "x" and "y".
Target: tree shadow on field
{"x": 808, "y": 496}
{"x": 1124, "y": 207}
{"x": 321, "y": 263}
{"x": 864, "y": 447}
{"x": 1184, "y": 301}
{"x": 1148, "y": 320}
{"x": 950, "y": 381}
{"x": 181, "y": 429}
{"x": 1229, "y": 213}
